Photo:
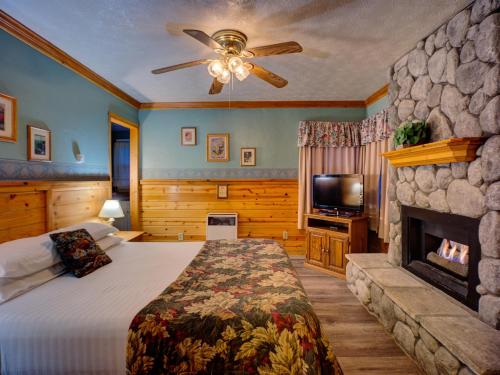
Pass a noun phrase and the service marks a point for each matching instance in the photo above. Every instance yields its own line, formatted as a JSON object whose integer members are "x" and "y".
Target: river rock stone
{"x": 489, "y": 234}
{"x": 468, "y": 53}
{"x": 457, "y": 28}
{"x": 387, "y": 316}
{"x": 474, "y": 173}
{"x": 437, "y": 65}
{"x": 493, "y": 197}
{"x": 478, "y": 101}
{"x": 465, "y": 371}
{"x": 470, "y": 76}
{"x": 443, "y": 178}
{"x": 401, "y": 62}
{"x": 467, "y": 125}
{"x": 425, "y": 358}
{"x": 394, "y": 212}
{"x": 434, "y": 96}
{"x": 453, "y": 102}
{"x": 405, "y": 109}
{"x": 405, "y": 194}
{"x": 451, "y": 66}
{"x": 441, "y": 38}
{"x": 421, "y": 88}
{"x": 417, "y": 62}
{"x": 446, "y": 363}
{"x": 429, "y": 341}
{"x": 401, "y": 75}
{"x": 472, "y": 33}
{"x": 421, "y": 199}
{"x": 483, "y": 8}
{"x": 401, "y": 175}
{"x": 492, "y": 81}
{"x": 405, "y": 86}
{"x": 439, "y": 125}
{"x": 487, "y": 40}
{"x": 489, "y": 274}
{"x": 426, "y": 179}
{"x": 490, "y": 159}
{"x": 489, "y": 119}
{"x": 421, "y": 111}
{"x": 404, "y": 336}
{"x": 465, "y": 199}
{"x": 429, "y": 44}
{"x": 363, "y": 292}
{"x": 393, "y": 91}
{"x": 437, "y": 201}
{"x": 394, "y": 254}
{"x": 459, "y": 170}
{"x": 394, "y": 230}
{"x": 409, "y": 173}
{"x": 489, "y": 310}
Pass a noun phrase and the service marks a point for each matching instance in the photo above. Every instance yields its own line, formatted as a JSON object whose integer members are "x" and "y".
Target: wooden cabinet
{"x": 330, "y": 238}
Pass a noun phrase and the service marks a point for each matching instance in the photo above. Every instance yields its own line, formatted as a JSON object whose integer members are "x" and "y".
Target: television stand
{"x": 337, "y": 213}
{"x": 330, "y": 238}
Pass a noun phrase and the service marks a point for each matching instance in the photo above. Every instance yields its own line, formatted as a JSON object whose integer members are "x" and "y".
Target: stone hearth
{"x": 439, "y": 333}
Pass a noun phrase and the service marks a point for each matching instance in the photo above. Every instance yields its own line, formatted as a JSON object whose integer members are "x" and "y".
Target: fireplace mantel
{"x": 450, "y": 150}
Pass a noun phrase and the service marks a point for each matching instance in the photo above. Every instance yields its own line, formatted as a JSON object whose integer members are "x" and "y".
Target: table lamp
{"x": 111, "y": 210}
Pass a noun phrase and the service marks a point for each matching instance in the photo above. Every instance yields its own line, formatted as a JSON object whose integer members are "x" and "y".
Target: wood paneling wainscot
{"x": 30, "y": 208}
{"x": 266, "y": 208}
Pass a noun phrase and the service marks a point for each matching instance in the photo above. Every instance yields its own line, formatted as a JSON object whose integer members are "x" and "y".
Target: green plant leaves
{"x": 411, "y": 133}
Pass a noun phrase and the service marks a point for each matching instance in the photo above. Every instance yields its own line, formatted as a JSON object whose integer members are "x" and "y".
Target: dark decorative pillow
{"x": 79, "y": 252}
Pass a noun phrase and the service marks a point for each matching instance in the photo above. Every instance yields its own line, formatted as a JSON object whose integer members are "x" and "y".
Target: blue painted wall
{"x": 52, "y": 96}
{"x": 272, "y": 131}
{"x": 377, "y": 106}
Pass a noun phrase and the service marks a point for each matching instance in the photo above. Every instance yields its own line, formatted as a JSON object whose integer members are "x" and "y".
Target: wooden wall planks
{"x": 34, "y": 207}
{"x": 265, "y": 209}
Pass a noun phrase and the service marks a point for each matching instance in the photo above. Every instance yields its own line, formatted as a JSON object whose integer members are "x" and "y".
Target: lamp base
{"x": 110, "y": 220}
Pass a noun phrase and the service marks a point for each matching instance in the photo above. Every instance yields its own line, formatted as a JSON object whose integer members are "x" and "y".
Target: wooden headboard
{"x": 30, "y": 208}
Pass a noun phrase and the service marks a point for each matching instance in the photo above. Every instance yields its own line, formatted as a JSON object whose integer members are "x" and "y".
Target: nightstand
{"x": 130, "y": 235}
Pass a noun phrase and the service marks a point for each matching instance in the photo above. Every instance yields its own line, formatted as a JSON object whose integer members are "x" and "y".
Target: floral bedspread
{"x": 238, "y": 308}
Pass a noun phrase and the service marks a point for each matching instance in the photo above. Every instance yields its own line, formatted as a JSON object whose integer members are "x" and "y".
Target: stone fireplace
{"x": 437, "y": 291}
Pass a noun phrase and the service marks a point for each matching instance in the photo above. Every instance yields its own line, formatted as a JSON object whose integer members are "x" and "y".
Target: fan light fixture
{"x": 222, "y": 69}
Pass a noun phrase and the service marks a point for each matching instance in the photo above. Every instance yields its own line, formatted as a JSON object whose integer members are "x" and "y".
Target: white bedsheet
{"x": 79, "y": 326}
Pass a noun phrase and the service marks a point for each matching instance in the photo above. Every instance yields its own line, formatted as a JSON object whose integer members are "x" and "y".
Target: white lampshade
{"x": 111, "y": 209}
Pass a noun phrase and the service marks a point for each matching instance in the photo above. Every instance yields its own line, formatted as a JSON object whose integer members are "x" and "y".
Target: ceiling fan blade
{"x": 276, "y": 49}
{"x": 268, "y": 76}
{"x": 180, "y": 66}
{"x": 216, "y": 87}
{"x": 203, "y": 38}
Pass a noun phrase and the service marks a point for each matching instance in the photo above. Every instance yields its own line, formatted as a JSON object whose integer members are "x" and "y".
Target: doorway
{"x": 124, "y": 169}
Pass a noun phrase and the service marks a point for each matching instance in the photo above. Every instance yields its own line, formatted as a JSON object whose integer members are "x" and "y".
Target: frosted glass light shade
{"x": 215, "y": 68}
{"x": 234, "y": 63}
{"x": 111, "y": 209}
{"x": 224, "y": 77}
{"x": 241, "y": 73}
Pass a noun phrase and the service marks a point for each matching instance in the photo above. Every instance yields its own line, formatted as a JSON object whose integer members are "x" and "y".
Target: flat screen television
{"x": 338, "y": 192}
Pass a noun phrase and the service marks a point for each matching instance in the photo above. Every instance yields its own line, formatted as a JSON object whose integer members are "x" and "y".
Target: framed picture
{"x": 222, "y": 191}
{"x": 39, "y": 144}
{"x": 8, "y": 119}
{"x": 217, "y": 147}
{"x": 247, "y": 157}
{"x": 188, "y": 136}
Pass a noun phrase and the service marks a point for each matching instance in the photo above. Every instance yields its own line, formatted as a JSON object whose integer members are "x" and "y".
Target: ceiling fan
{"x": 231, "y": 46}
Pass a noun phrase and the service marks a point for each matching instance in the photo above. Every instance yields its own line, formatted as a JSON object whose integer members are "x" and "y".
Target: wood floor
{"x": 358, "y": 339}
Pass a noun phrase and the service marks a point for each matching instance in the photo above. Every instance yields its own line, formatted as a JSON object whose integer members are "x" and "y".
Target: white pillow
{"x": 96, "y": 230}
{"x": 26, "y": 256}
{"x": 13, "y": 287}
{"x": 108, "y": 242}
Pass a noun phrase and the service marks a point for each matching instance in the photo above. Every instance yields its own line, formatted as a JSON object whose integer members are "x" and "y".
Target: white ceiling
{"x": 348, "y": 44}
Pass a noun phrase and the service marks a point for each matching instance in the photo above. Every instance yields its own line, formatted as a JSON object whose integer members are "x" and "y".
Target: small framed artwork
{"x": 247, "y": 156}
{"x": 217, "y": 147}
{"x": 39, "y": 144}
{"x": 222, "y": 191}
{"x": 8, "y": 119}
{"x": 188, "y": 136}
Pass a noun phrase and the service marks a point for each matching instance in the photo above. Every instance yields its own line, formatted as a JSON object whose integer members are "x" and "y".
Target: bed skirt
{"x": 238, "y": 308}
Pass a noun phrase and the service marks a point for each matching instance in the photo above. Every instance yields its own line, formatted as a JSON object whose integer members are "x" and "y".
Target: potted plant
{"x": 411, "y": 133}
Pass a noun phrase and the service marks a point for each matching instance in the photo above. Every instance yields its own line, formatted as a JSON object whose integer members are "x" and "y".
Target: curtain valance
{"x": 345, "y": 134}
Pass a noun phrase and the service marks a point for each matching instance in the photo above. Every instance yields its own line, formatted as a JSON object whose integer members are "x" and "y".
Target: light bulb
{"x": 241, "y": 73}
{"x": 234, "y": 63}
{"x": 215, "y": 68}
{"x": 224, "y": 77}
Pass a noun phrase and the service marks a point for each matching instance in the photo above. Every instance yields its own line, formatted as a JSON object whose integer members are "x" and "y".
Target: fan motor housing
{"x": 233, "y": 41}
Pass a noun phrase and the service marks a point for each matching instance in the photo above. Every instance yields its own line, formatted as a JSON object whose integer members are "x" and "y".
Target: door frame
{"x": 134, "y": 163}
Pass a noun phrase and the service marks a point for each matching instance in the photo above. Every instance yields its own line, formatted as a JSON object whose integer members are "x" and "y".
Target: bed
{"x": 229, "y": 307}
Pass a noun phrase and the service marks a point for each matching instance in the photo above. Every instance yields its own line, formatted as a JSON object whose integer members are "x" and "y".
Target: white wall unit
{"x": 222, "y": 226}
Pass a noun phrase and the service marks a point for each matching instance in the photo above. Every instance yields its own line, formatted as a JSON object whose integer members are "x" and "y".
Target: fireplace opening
{"x": 443, "y": 249}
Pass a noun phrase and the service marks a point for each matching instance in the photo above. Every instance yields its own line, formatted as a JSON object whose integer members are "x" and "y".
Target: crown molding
{"x": 28, "y": 36}
{"x": 257, "y": 104}
{"x": 380, "y": 93}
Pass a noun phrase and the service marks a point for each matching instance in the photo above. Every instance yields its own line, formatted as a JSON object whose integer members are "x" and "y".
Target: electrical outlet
{"x": 180, "y": 236}
{"x": 285, "y": 235}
